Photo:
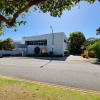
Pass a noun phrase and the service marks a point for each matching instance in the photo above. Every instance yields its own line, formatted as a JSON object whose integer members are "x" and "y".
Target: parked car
{"x": 0, "y": 55}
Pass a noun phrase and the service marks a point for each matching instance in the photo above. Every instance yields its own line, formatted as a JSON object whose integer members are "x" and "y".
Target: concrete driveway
{"x": 71, "y": 71}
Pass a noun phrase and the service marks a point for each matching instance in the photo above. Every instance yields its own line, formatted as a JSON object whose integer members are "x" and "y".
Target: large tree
{"x": 8, "y": 44}
{"x": 76, "y": 39}
{"x": 88, "y": 42}
{"x": 11, "y": 9}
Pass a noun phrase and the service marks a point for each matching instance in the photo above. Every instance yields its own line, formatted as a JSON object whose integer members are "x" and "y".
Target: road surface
{"x": 71, "y": 72}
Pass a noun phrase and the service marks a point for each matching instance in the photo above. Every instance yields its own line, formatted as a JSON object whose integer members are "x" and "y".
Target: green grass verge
{"x": 17, "y": 90}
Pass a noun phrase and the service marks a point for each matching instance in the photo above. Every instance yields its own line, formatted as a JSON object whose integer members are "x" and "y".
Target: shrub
{"x": 84, "y": 56}
{"x": 50, "y": 53}
{"x": 36, "y": 50}
{"x": 44, "y": 53}
{"x": 6, "y": 55}
{"x": 33, "y": 55}
{"x": 58, "y": 55}
{"x": 95, "y": 48}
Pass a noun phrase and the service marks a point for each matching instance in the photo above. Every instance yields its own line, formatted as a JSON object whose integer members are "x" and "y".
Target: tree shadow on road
{"x": 96, "y": 62}
{"x": 46, "y": 64}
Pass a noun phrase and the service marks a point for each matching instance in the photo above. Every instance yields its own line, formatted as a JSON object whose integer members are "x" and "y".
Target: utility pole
{"x": 52, "y": 41}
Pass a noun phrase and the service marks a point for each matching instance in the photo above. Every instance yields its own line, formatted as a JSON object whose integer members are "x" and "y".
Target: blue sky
{"x": 85, "y": 19}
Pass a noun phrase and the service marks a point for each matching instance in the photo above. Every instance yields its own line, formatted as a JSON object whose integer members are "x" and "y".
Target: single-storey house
{"x": 56, "y": 42}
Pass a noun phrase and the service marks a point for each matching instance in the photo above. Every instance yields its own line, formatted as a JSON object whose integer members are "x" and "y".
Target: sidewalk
{"x": 92, "y": 60}
{"x": 75, "y": 57}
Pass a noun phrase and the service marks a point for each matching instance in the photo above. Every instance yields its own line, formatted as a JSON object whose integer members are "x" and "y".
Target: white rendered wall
{"x": 31, "y": 48}
{"x": 59, "y": 45}
{"x": 65, "y": 45}
{"x": 12, "y": 52}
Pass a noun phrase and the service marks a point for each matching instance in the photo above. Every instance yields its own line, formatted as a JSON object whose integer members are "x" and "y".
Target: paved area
{"x": 70, "y": 71}
{"x": 75, "y": 58}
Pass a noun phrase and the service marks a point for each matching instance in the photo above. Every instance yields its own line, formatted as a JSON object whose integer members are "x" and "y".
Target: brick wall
{"x": 88, "y": 53}
{"x": 91, "y": 54}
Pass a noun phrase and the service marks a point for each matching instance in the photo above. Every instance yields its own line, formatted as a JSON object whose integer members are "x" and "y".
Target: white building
{"x": 57, "y": 41}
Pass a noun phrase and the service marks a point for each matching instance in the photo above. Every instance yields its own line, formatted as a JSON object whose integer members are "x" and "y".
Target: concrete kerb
{"x": 51, "y": 85}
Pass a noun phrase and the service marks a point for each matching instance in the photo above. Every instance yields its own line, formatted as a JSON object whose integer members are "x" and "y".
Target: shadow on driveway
{"x": 50, "y": 58}
{"x": 41, "y": 58}
{"x": 96, "y": 62}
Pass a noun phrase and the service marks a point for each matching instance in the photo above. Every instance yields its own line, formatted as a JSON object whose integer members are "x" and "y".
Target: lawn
{"x": 17, "y": 90}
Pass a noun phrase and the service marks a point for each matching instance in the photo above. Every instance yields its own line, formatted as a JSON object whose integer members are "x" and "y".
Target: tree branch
{"x": 31, "y": 3}
{"x": 12, "y": 1}
{"x": 16, "y": 1}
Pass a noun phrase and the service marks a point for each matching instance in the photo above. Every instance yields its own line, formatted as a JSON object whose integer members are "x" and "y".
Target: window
{"x": 34, "y": 43}
{"x": 39, "y": 42}
{"x": 65, "y": 41}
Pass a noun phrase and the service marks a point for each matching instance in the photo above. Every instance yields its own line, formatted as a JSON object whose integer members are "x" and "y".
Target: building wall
{"x": 31, "y": 48}
{"x": 65, "y": 45}
{"x": 59, "y": 45}
{"x": 3, "y": 52}
{"x": 84, "y": 52}
{"x": 20, "y": 45}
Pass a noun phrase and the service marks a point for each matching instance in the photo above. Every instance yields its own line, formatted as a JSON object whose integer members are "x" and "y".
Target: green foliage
{"x": 97, "y": 39}
{"x": 84, "y": 56}
{"x": 21, "y": 7}
{"x": 36, "y": 50}
{"x": 98, "y": 31}
{"x": 76, "y": 39}
{"x": 8, "y": 44}
{"x": 87, "y": 57}
{"x": 88, "y": 42}
{"x": 95, "y": 48}
{"x": 1, "y": 44}
{"x": 7, "y": 10}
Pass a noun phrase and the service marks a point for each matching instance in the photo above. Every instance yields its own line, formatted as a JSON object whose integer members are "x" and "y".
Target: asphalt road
{"x": 73, "y": 73}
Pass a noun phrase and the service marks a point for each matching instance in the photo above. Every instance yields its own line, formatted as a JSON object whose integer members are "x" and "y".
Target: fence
{"x": 18, "y": 52}
{"x": 88, "y": 53}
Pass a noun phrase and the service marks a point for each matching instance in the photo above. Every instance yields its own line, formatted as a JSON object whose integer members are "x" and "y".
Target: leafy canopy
{"x": 11, "y": 9}
{"x": 89, "y": 41}
{"x": 8, "y": 44}
{"x": 98, "y": 31}
{"x": 95, "y": 48}
{"x": 76, "y": 39}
